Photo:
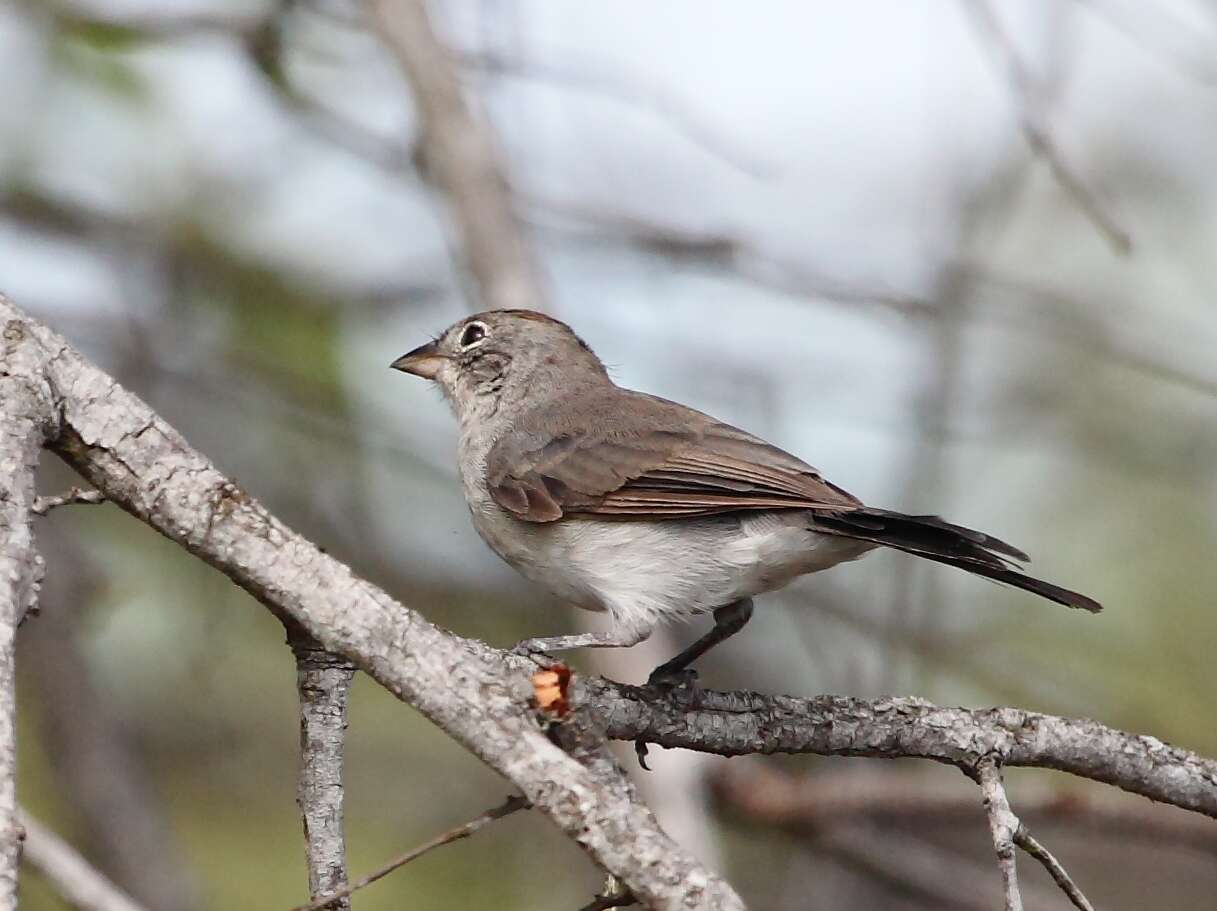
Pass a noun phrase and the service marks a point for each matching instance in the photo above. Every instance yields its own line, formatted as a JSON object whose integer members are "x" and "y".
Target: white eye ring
{"x": 473, "y": 335}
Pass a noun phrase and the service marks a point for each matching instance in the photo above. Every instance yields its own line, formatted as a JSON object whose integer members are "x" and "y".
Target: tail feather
{"x": 935, "y": 539}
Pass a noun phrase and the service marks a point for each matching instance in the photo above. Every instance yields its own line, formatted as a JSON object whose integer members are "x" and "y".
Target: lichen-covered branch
{"x": 323, "y": 680}
{"x": 26, "y": 418}
{"x": 1002, "y": 826}
{"x": 736, "y": 723}
{"x": 145, "y": 466}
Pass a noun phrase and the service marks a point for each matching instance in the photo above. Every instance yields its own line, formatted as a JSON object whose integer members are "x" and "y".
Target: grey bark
{"x": 323, "y": 680}
{"x": 146, "y": 467}
{"x": 460, "y": 154}
{"x": 480, "y": 695}
{"x": 1002, "y": 826}
{"x": 26, "y": 411}
{"x": 736, "y": 723}
{"x": 79, "y": 884}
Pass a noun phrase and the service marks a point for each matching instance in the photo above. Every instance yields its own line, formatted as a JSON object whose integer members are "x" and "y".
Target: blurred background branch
{"x": 80, "y": 885}
{"x": 460, "y": 154}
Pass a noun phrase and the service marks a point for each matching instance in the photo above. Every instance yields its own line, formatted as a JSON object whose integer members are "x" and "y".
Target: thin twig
{"x": 1002, "y": 825}
{"x": 1025, "y": 840}
{"x": 1035, "y": 127}
{"x": 78, "y": 883}
{"x": 509, "y": 806}
{"x": 582, "y": 75}
{"x": 74, "y": 496}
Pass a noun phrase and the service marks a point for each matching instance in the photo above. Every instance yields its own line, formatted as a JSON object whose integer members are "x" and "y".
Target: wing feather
{"x": 669, "y": 462}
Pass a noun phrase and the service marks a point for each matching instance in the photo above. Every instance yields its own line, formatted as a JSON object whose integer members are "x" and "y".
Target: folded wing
{"x": 669, "y": 462}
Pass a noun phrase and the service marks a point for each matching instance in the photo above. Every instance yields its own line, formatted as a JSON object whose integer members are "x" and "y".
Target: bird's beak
{"x": 424, "y": 361}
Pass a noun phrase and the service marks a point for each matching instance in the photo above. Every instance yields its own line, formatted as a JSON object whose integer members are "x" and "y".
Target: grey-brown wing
{"x": 666, "y": 461}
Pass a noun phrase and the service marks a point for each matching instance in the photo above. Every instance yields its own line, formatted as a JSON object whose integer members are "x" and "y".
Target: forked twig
{"x": 1002, "y": 825}
{"x": 1035, "y": 127}
{"x": 1009, "y": 832}
{"x": 1025, "y": 840}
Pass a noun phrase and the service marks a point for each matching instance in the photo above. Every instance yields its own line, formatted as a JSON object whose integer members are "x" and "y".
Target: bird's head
{"x": 501, "y": 356}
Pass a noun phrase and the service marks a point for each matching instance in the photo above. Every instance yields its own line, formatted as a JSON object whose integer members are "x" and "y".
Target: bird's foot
{"x": 536, "y": 649}
{"x": 672, "y": 678}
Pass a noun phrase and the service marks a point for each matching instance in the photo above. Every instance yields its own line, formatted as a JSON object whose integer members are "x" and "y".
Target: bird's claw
{"x": 530, "y": 648}
{"x": 673, "y": 678}
{"x": 640, "y": 750}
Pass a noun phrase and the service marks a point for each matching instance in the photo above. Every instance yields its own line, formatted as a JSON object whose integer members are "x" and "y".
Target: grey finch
{"x": 623, "y": 502}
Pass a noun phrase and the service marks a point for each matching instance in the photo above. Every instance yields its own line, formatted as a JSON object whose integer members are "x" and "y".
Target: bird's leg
{"x": 622, "y": 637}
{"x": 728, "y": 621}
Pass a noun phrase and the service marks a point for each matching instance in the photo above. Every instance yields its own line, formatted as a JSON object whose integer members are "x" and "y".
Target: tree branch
{"x": 1002, "y": 826}
{"x": 860, "y": 817}
{"x": 145, "y": 466}
{"x": 1008, "y": 832}
{"x": 79, "y": 884}
{"x": 480, "y": 695}
{"x": 460, "y": 153}
{"x": 736, "y": 723}
{"x": 26, "y": 418}
{"x": 323, "y": 680}
{"x": 1036, "y": 129}
{"x": 1025, "y": 840}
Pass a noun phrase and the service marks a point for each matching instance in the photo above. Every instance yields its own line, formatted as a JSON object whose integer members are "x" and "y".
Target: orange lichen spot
{"x": 551, "y": 687}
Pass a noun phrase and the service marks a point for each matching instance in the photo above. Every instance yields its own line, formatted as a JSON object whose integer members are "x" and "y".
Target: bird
{"x": 615, "y": 500}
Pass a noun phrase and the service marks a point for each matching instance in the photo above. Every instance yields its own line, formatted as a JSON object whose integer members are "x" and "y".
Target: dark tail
{"x": 954, "y": 545}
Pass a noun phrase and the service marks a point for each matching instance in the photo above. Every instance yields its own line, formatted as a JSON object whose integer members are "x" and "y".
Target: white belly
{"x": 647, "y": 572}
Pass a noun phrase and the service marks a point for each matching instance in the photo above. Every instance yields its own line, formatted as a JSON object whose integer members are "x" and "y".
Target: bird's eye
{"x": 473, "y": 334}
